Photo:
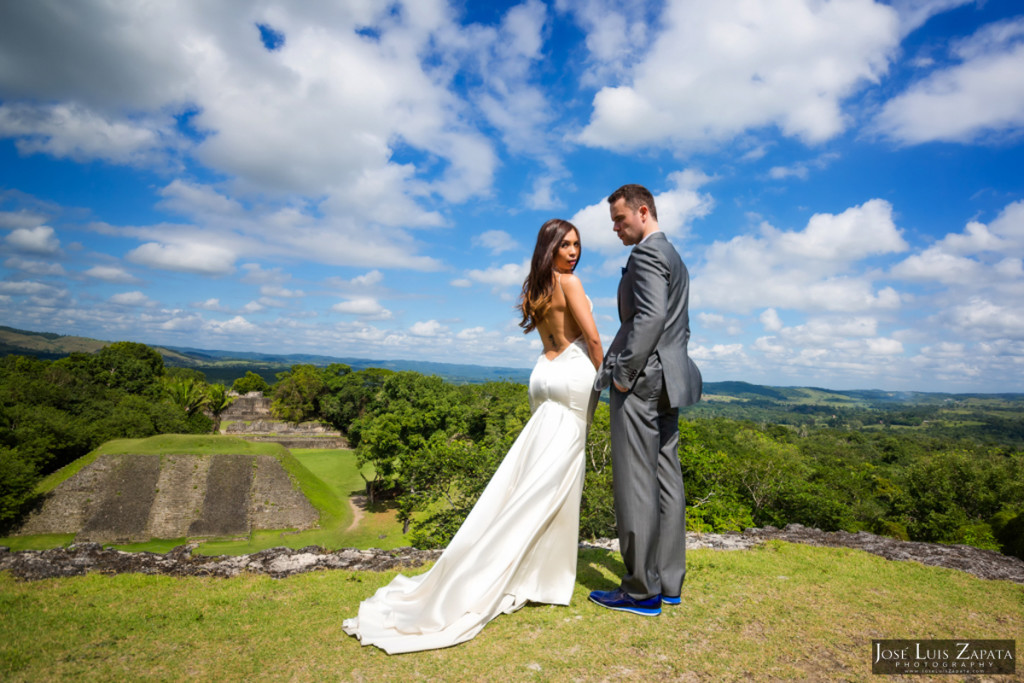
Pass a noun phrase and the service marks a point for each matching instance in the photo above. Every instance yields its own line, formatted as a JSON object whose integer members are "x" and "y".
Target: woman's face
{"x": 568, "y": 252}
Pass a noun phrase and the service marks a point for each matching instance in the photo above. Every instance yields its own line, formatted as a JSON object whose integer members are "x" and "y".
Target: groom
{"x": 651, "y": 377}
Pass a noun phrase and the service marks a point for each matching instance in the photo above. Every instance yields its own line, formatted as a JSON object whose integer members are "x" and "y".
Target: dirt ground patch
{"x": 358, "y": 505}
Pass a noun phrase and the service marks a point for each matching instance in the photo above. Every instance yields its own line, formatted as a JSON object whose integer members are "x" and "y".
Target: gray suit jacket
{"x": 655, "y": 325}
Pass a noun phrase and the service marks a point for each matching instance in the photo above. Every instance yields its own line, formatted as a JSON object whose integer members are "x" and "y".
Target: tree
{"x": 128, "y": 366}
{"x": 347, "y": 397}
{"x": 249, "y": 383}
{"x": 17, "y": 482}
{"x": 297, "y": 394}
{"x": 399, "y": 421}
{"x": 188, "y": 394}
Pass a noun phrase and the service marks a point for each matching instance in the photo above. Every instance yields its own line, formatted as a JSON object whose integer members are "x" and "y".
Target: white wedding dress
{"x": 519, "y": 542}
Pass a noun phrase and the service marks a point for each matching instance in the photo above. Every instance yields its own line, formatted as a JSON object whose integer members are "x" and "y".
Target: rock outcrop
{"x": 80, "y": 558}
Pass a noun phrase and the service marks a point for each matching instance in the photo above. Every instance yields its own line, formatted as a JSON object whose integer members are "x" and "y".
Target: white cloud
{"x": 428, "y": 328}
{"x": 374, "y": 277}
{"x": 812, "y": 269}
{"x": 615, "y": 35}
{"x": 364, "y": 306}
{"x": 677, "y": 208}
{"x": 332, "y": 111}
{"x": 213, "y": 304}
{"x": 204, "y": 259}
{"x": 30, "y": 288}
{"x": 236, "y": 325}
{"x": 510, "y": 275}
{"x": 274, "y": 290}
{"x": 135, "y": 298}
{"x": 914, "y": 13}
{"x": 717, "y": 69}
{"x": 496, "y": 241}
{"x": 254, "y": 307}
{"x": 982, "y": 95}
{"x": 20, "y": 219}
{"x": 771, "y": 321}
{"x": 801, "y": 169}
{"x": 110, "y": 274}
{"x": 982, "y": 317}
{"x": 982, "y": 256}
{"x": 38, "y": 240}
{"x": 74, "y": 132}
{"x": 39, "y": 268}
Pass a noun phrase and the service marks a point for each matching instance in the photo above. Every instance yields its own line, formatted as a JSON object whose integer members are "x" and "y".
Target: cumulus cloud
{"x": 31, "y": 288}
{"x": 33, "y": 267}
{"x": 981, "y": 95}
{"x": 110, "y": 274}
{"x": 503, "y": 279}
{"x": 677, "y": 206}
{"x": 213, "y": 304}
{"x": 38, "y": 240}
{"x": 374, "y": 277}
{"x": 10, "y": 220}
{"x": 364, "y": 306}
{"x": 203, "y": 259}
{"x": 496, "y": 241}
{"x": 355, "y": 109}
{"x": 980, "y": 256}
{"x": 427, "y": 328}
{"x": 814, "y": 269}
{"x": 74, "y": 132}
{"x": 135, "y": 298}
{"x": 719, "y": 69}
{"x": 802, "y": 169}
{"x": 914, "y": 13}
{"x": 236, "y": 325}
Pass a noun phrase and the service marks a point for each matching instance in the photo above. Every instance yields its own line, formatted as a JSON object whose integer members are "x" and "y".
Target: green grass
{"x": 780, "y": 612}
{"x": 328, "y": 478}
{"x": 165, "y": 444}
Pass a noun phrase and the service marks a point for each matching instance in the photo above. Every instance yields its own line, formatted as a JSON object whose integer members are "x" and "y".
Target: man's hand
{"x": 620, "y": 387}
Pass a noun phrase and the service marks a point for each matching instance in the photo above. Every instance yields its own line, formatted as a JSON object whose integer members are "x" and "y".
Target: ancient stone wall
{"x": 249, "y": 417}
{"x": 130, "y": 498}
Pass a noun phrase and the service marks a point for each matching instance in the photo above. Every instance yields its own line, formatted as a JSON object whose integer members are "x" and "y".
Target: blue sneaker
{"x": 624, "y": 602}
{"x": 670, "y": 600}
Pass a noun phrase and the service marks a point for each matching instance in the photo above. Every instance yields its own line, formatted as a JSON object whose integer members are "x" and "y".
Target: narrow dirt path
{"x": 358, "y": 505}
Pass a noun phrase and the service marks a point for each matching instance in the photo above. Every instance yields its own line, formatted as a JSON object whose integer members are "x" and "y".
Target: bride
{"x": 519, "y": 542}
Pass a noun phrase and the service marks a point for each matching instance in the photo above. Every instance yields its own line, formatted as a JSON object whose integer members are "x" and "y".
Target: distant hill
{"x": 225, "y": 366}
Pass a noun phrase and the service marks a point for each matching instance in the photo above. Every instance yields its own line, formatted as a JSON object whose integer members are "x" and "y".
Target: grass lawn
{"x": 778, "y": 612}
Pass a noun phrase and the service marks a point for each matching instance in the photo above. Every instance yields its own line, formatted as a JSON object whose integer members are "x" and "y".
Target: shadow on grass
{"x": 599, "y": 570}
{"x": 381, "y": 504}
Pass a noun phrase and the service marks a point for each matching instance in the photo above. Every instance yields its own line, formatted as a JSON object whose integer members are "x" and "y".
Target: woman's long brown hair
{"x": 538, "y": 287}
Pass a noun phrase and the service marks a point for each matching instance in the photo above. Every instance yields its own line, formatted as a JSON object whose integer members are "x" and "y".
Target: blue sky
{"x": 360, "y": 178}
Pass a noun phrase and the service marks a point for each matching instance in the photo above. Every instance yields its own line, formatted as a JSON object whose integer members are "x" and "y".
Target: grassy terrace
{"x": 777, "y": 612}
{"x": 780, "y": 612}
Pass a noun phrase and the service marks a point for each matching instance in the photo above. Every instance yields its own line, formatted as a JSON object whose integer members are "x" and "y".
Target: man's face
{"x": 628, "y": 224}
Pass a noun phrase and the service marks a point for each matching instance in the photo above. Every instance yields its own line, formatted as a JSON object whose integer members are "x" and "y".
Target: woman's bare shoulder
{"x": 571, "y": 282}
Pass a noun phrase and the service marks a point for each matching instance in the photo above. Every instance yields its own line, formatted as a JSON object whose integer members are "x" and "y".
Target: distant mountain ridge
{"x": 51, "y": 346}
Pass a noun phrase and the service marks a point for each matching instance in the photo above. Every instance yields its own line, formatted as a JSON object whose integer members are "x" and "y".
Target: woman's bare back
{"x": 558, "y": 328}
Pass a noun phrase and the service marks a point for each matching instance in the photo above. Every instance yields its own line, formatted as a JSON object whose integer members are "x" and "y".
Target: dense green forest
{"x": 946, "y": 469}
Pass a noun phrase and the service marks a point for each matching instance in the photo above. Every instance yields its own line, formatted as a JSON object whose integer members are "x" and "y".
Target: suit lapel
{"x": 625, "y": 282}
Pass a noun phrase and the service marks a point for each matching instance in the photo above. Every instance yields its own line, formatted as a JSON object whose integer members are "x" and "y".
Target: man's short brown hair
{"x": 635, "y": 196}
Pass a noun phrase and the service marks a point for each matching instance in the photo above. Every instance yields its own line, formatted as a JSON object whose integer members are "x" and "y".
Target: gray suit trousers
{"x": 650, "y": 502}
